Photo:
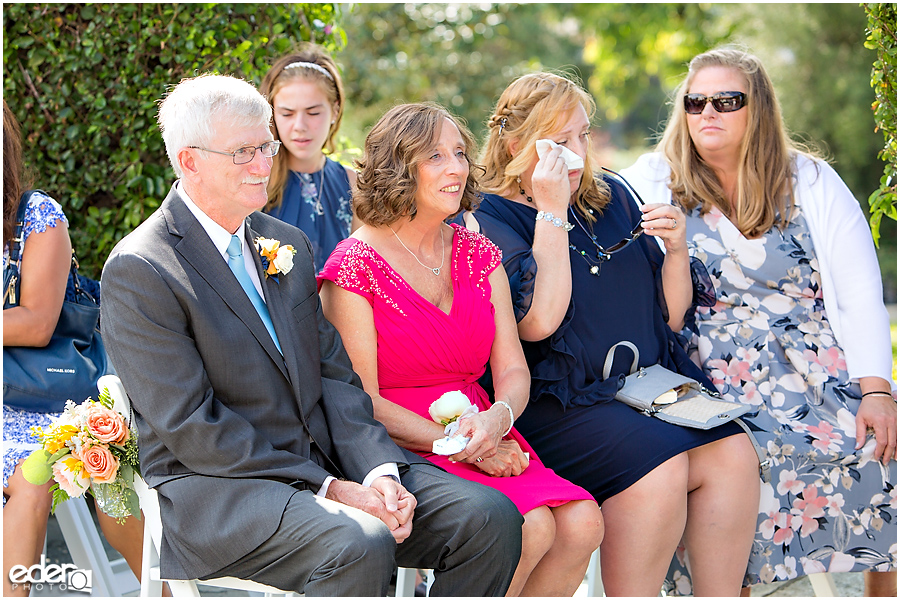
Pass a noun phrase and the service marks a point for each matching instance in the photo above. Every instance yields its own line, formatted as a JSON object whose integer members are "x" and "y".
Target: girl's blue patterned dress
{"x": 319, "y": 204}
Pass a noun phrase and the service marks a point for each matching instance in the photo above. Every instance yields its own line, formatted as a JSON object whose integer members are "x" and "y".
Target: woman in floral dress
{"x": 45, "y": 283}
{"x": 799, "y": 329}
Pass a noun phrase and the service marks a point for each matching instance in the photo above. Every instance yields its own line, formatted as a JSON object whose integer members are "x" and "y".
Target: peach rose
{"x": 100, "y": 463}
{"x": 74, "y": 483}
{"x": 106, "y": 425}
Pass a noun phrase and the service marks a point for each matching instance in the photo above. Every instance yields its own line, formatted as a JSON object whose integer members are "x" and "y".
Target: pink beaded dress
{"x": 424, "y": 352}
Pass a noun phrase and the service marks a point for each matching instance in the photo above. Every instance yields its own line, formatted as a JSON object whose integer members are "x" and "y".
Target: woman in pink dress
{"x": 422, "y": 309}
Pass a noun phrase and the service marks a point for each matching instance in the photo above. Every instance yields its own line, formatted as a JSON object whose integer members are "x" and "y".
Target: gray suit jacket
{"x": 226, "y": 425}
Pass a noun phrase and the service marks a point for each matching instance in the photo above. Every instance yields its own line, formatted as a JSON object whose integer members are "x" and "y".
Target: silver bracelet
{"x": 512, "y": 417}
{"x": 553, "y": 220}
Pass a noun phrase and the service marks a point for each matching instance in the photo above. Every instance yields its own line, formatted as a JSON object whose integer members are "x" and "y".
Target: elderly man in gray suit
{"x": 253, "y": 427}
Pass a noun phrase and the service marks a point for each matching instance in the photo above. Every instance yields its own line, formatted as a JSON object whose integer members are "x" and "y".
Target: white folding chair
{"x": 823, "y": 585}
{"x": 594, "y": 580}
{"x": 151, "y": 581}
{"x": 108, "y": 578}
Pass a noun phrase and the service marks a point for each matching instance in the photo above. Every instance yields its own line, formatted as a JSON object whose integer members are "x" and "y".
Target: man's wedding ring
{"x": 674, "y": 223}
{"x": 479, "y": 459}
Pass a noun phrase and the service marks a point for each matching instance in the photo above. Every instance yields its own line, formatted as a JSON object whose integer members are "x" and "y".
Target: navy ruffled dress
{"x": 572, "y": 420}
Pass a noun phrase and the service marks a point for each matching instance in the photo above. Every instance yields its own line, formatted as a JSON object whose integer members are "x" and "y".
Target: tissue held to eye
{"x": 573, "y": 161}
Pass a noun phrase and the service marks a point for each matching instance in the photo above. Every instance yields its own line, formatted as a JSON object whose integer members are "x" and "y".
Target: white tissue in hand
{"x": 449, "y": 445}
{"x": 573, "y": 161}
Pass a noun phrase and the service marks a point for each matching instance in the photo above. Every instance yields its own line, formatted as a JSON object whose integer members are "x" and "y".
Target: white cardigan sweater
{"x": 848, "y": 266}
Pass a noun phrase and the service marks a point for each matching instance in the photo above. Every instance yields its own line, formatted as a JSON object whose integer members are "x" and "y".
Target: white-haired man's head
{"x": 194, "y": 109}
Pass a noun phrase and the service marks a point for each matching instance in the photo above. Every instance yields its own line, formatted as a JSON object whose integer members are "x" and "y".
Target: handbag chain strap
{"x": 11, "y": 293}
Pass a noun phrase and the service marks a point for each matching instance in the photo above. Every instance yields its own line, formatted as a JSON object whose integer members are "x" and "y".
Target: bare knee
{"x": 732, "y": 461}
{"x": 579, "y": 525}
{"x": 538, "y": 531}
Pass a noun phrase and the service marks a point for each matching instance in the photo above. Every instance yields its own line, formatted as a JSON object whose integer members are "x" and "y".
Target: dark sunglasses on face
{"x": 723, "y": 102}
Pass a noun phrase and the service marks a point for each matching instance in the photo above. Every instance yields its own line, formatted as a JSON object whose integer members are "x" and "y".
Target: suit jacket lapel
{"x": 200, "y": 252}
{"x": 275, "y": 304}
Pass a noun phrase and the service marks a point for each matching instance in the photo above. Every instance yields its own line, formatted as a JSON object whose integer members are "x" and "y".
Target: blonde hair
{"x": 389, "y": 168}
{"x": 531, "y": 107}
{"x": 312, "y": 61}
{"x": 763, "y": 196}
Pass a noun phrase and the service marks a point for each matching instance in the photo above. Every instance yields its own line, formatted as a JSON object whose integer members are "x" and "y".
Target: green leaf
{"x": 59, "y": 496}
{"x": 133, "y": 502}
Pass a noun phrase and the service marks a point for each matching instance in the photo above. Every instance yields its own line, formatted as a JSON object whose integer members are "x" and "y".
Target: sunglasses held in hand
{"x": 723, "y": 102}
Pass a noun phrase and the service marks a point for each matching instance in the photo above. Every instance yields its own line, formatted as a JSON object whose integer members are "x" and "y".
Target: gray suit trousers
{"x": 468, "y": 533}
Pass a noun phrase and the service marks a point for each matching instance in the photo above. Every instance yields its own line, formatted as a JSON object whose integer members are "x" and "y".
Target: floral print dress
{"x": 767, "y": 342}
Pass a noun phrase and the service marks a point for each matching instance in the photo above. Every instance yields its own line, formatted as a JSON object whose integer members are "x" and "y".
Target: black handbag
{"x": 42, "y": 379}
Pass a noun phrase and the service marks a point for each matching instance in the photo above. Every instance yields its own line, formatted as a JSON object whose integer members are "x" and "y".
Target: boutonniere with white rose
{"x": 448, "y": 410}
{"x": 276, "y": 259}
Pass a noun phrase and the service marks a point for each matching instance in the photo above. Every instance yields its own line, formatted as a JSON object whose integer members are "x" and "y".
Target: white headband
{"x": 309, "y": 65}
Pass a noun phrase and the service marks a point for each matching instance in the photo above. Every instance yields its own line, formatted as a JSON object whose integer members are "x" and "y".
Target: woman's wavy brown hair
{"x": 764, "y": 193}
{"x": 388, "y": 171}
{"x": 13, "y": 168}
{"x": 277, "y": 78}
{"x": 531, "y": 108}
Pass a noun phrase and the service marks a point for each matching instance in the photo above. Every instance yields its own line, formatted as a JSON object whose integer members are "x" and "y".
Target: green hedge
{"x": 882, "y": 37}
{"x": 84, "y": 81}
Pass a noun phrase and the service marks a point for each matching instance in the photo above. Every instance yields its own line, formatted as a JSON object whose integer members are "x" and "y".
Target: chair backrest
{"x": 121, "y": 404}
{"x": 147, "y": 497}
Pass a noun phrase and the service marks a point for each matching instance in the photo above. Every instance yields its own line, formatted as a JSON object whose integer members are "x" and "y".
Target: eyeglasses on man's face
{"x": 723, "y": 102}
{"x": 242, "y": 156}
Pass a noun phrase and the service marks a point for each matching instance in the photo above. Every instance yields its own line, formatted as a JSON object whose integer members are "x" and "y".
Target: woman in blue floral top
{"x": 306, "y": 188}
{"x": 46, "y": 256}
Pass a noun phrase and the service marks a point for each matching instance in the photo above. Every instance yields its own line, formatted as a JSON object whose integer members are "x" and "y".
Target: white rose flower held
{"x": 449, "y": 407}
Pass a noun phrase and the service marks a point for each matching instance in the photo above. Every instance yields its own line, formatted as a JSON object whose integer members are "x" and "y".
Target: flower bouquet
{"x": 88, "y": 448}
{"x": 448, "y": 410}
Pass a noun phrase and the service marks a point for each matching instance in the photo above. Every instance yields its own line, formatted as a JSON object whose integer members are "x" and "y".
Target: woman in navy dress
{"x": 657, "y": 483}
{"x": 306, "y": 188}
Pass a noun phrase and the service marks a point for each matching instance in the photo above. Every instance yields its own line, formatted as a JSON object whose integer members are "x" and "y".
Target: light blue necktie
{"x": 236, "y": 264}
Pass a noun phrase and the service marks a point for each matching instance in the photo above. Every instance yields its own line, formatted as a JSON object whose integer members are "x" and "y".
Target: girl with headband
{"x": 306, "y": 188}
